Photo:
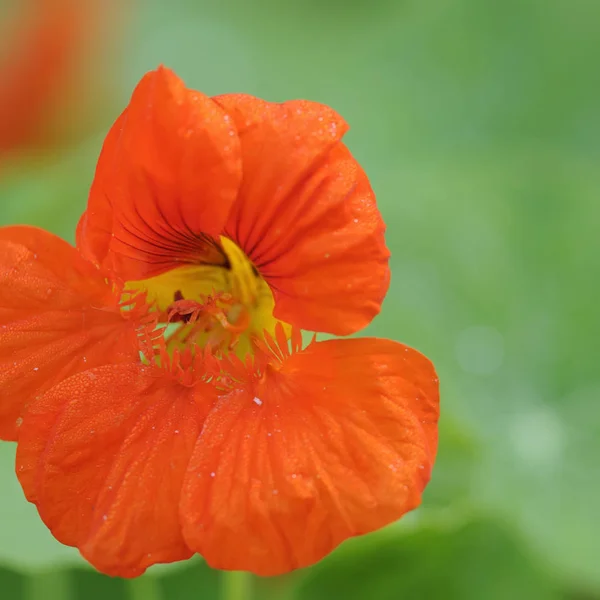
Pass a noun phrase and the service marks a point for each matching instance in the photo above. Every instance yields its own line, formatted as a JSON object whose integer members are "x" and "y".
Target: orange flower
{"x": 46, "y": 40}
{"x": 161, "y": 397}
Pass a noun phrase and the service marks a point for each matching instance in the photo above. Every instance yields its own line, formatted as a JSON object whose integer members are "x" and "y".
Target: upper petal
{"x": 306, "y": 215}
{"x": 103, "y": 455}
{"x": 167, "y": 176}
{"x": 339, "y": 442}
{"x": 58, "y": 316}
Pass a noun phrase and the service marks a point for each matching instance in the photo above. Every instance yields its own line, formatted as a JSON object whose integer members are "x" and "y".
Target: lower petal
{"x": 103, "y": 454}
{"x": 339, "y": 442}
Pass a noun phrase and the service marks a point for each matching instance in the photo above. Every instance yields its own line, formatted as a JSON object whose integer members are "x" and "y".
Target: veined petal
{"x": 103, "y": 455}
{"x": 306, "y": 215}
{"x": 58, "y": 316}
{"x": 337, "y": 442}
{"x": 167, "y": 176}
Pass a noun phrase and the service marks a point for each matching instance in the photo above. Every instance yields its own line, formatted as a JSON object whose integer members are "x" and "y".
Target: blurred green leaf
{"x": 196, "y": 579}
{"x": 90, "y": 585}
{"x": 479, "y": 560}
{"x": 12, "y": 584}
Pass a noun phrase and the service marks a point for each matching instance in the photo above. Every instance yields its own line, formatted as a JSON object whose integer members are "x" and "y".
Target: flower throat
{"x": 220, "y": 308}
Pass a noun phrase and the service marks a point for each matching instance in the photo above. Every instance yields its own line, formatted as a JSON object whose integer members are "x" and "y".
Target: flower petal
{"x": 306, "y": 215}
{"x": 103, "y": 455}
{"x": 58, "y": 316}
{"x": 168, "y": 173}
{"x": 339, "y": 442}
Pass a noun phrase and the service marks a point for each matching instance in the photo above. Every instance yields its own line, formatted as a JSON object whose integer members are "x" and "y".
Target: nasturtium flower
{"x": 41, "y": 68}
{"x": 42, "y": 44}
{"x": 155, "y": 375}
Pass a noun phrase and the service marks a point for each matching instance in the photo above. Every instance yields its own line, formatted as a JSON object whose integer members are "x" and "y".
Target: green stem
{"x": 144, "y": 588}
{"x": 236, "y": 585}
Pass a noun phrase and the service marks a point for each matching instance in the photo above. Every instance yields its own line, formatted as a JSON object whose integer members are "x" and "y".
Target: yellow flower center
{"x": 213, "y": 305}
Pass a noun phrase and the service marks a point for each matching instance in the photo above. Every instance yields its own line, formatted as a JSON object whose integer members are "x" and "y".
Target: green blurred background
{"x": 478, "y": 122}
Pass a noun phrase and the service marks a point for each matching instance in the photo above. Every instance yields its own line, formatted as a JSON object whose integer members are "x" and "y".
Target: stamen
{"x": 217, "y": 316}
{"x": 187, "y": 311}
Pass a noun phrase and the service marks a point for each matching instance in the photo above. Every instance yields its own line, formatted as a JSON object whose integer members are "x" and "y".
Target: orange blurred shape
{"x": 45, "y": 43}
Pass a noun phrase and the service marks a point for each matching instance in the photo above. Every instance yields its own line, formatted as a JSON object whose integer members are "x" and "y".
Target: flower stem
{"x": 144, "y": 588}
{"x": 236, "y": 585}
